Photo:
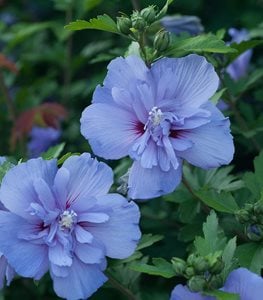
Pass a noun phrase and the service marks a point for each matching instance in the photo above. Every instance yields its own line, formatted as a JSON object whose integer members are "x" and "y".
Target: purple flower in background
{"x": 63, "y": 220}
{"x": 158, "y": 116}
{"x": 178, "y": 24}
{"x": 246, "y": 284}
{"x": 6, "y": 271}
{"x": 41, "y": 138}
{"x": 238, "y": 68}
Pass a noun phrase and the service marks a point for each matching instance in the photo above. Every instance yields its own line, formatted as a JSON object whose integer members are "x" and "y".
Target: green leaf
{"x": 242, "y": 47}
{"x": 148, "y": 240}
{"x": 199, "y": 44}
{"x": 250, "y": 256}
{"x": 253, "y": 181}
{"x": 66, "y": 156}
{"x": 163, "y": 11}
{"x": 220, "y": 295}
{"x": 160, "y": 267}
{"x": 102, "y": 22}
{"x": 228, "y": 255}
{"x": 53, "y": 152}
{"x": 246, "y": 83}
{"x": 214, "y": 99}
{"x": 211, "y": 242}
{"x": 23, "y": 31}
{"x": 4, "y": 168}
{"x": 223, "y": 202}
{"x": 218, "y": 179}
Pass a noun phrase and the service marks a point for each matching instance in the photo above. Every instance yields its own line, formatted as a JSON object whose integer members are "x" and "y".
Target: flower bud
{"x": 161, "y": 41}
{"x": 191, "y": 258}
{"x": 179, "y": 265}
{"x": 200, "y": 265}
{"x": 258, "y": 208}
{"x": 254, "y": 232}
{"x": 216, "y": 282}
{"x": 242, "y": 216}
{"x": 124, "y": 24}
{"x": 149, "y": 14}
{"x": 189, "y": 272}
{"x": 217, "y": 267}
{"x": 197, "y": 283}
{"x": 138, "y": 21}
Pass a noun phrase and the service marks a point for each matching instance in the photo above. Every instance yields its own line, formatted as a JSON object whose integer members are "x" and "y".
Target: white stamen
{"x": 155, "y": 116}
{"x": 67, "y": 219}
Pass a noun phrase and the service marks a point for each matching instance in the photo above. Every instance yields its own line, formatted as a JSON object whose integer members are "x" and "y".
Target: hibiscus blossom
{"x": 63, "y": 220}
{"x": 242, "y": 282}
{"x": 239, "y": 67}
{"x": 158, "y": 116}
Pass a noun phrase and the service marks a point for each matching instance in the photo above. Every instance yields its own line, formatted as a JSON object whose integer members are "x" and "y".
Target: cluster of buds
{"x": 252, "y": 216}
{"x": 138, "y": 21}
{"x": 202, "y": 273}
{"x": 137, "y": 24}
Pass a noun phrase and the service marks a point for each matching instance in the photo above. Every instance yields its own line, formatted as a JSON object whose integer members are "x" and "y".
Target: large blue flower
{"x": 7, "y": 273}
{"x": 158, "y": 116}
{"x": 246, "y": 284}
{"x": 63, "y": 220}
{"x": 178, "y": 24}
{"x": 239, "y": 67}
{"x": 41, "y": 138}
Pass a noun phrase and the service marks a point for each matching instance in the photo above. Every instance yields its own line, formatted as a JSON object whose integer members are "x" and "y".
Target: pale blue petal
{"x": 123, "y": 71}
{"x": 59, "y": 256}
{"x": 17, "y": 189}
{"x": 82, "y": 235}
{"x": 82, "y": 281}
{"x": 244, "y": 283}
{"x": 59, "y": 270}
{"x": 120, "y": 234}
{"x": 90, "y": 254}
{"x": 93, "y": 217}
{"x": 151, "y": 183}
{"x": 44, "y": 193}
{"x": 181, "y": 292}
{"x": 212, "y": 145}
{"x": 110, "y": 130}
{"x": 88, "y": 178}
{"x": 28, "y": 259}
{"x": 61, "y": 182}
{"x": 189, "y": 81}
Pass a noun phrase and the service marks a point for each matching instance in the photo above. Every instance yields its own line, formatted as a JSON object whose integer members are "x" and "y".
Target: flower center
{"x": 155, "y": 116}
{"x": 67, "y": 219}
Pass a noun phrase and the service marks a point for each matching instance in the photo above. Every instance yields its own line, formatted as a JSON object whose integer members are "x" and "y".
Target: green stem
{"x": 205, "y": 208}
{"x": 117, "y": 285}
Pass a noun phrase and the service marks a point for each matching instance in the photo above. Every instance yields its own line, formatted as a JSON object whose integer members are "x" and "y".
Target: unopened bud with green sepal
{"x": 161, "y": 41}
{"x": 197, "y": 283}
{"x": 216, "y": 282}
{"x": 138, "y": 21}
{"x": 200, "y": 265}
{"x": 149, "y": 14}
{"x": 217, "y": 267}
{"x": 254, "y": 232}
{"x": 179, "y": 265}
{"x": 189, "y": 272}
{"x": 124, "y": 24}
